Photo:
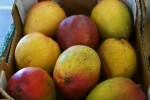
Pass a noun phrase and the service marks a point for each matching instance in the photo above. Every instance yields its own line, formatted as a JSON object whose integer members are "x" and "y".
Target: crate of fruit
{"x": 78, "y": 50}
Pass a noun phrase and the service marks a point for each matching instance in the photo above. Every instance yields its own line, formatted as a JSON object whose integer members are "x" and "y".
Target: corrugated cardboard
{"x": 146, "y": 51}
{"x": 139, "y": 39}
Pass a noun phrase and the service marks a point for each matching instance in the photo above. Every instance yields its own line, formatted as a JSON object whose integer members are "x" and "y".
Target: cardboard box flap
{"x": 145, "y": 5}
{"x": 23, "y": 7}
{"x": 146, "y": 49}
{"x": 4, "y": 95}
{"x": 3, "y": 81}
{"x": 146, "y": 43}
{"x": 147, "y": 10}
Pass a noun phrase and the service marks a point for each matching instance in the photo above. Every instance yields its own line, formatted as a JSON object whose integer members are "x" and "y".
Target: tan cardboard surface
{"x": 5, "y": 95}
{"x": 146, "y": 35}
{"x": 146, "y": 43}
{"x": 147, "y": 5}
{"x": 3, "y": 81}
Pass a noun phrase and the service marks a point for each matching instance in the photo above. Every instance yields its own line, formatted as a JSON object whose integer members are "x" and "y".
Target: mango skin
{"x": 118, "y": 58}
{"x": 113, "y": 19}
{"x": 77, "y": 30}
{"x": 44, "y": 17}
{"x": 118, "y": 88}
{"x": 31, "y": 83}
{"x": 37, "y": 50}
{"x": 77, "y": 71}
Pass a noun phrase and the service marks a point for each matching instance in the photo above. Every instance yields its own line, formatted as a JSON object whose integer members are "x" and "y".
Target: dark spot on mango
{"x": 121, "y": 39}
{"x": 126, "y": 69}
{"x": 67, "y": 80}
{"x": 19, "y": 93}
{"x": 27, "y": 83}
{"x": 122, "y": 42}
{"x": 19, "y": 89}
{"x": 28, "y": 62}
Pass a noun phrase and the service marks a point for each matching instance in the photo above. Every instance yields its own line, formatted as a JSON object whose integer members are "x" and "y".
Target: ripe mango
{"x": 113, "y": 19}
{"x": 44, "y": 17}
{"x": 77, "y": 71}
{"x": 77, "y": 30}
{"x": 118, "y": 88}
{"x": 31, "y": 83}
{"x": 118, "y": 58}
{"x": 37, "y": 50}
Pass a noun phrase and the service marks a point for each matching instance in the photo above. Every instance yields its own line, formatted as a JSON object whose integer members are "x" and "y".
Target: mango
{"x": 77, "y": 71}
{"x": 118, "y": 58}
{"x": 77, "y": 30}
{"x": 44, "y": 17}
{"x": 37, "y": 50}
{"x": 118, "y": 88}
{"x": 113, "y": 19}
{"x": 31, "y": 83}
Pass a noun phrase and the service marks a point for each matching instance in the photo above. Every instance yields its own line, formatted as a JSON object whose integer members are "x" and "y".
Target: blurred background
{"x": 5, "y": 18}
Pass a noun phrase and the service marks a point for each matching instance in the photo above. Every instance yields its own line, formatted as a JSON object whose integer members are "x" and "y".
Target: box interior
{"x": 84, "y": 7}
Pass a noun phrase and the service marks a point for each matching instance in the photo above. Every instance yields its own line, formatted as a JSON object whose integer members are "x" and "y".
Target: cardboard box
{"x": 140, "y": 39}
